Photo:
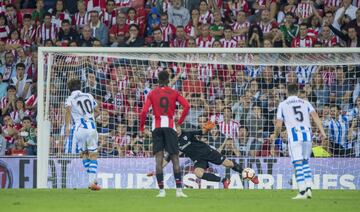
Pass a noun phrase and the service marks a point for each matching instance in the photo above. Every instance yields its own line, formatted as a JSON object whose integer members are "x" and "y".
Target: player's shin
{"x": 86, "y": 163}
{"x": 211, "y": 177}
{"x": 237, "y": 167}
{"x": 299, "y": 175}
{"x": 178, "y": 180}
{"x": 160, "y": 180}
{"x": 307, "y": 174}
{"x": 92, "y": 171}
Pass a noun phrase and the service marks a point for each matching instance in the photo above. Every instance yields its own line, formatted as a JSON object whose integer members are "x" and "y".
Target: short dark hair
{"x": 27, "y": 16}
{"x": 134, "y": 25}
{"x": 20, "y": 65}
{"x": 47, "y": 14}
{"x": 292, "y": 89}
{"x": 336, "y": 106}
{"x": 11, "y": 87}
{"x": 227, "y": 27}
{"x": 131, "y": 9}
{"x": 74, "y": 85}
{"x": 244, "y": 127}
{"x": 26, "y": 118}
{"x": 163, "y": 78}
{"x": 10, "y": 5}
{"x": 65, "y": 21}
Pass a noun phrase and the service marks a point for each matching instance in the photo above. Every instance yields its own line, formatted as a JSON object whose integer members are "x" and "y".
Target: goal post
{"x": 216, "y": 81}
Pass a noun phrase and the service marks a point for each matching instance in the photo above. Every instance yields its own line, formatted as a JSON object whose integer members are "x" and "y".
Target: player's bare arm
{"x": 277, "y": 131}
{"x": 318, "y": 123}
{"x": 67, "y": 120}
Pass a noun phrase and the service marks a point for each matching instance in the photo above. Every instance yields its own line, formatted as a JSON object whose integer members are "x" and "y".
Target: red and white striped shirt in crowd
{"x": 58, "y": 20}
{"x": 263, "y": 3}
{"x": 135, "y": 21}
{"x": 237, "y": 26}
{"x": 205, "y": 42}
{"x": 304, "y": 10}
{"x": 123, "y": 83}
{"x": 31, "y": 101}
{"x": 332, "y": 3}
{"x": 3, "y": 102}
{"x": 123, "y": 140}
{"x": 205, "y": 72}
{"x": 206, "y": 18}
{"x": 168, "y": 32}
{"x": 217, "y": 118}
{"x": 356, "y": 3}
{"x": 95, "y": 4}
{"x": 215, "y": 92}
{"x": 46, "y": 32}
{"x": 328, "y": 42}
{"x": 306, "y": 42}
{"x": 14, "y": 21}
{"x": 8, "y": 138}
{"x": 29, "y": 35}
{"x": 2, "y": 7}
{"x": 190, "y": 30}
{"x": 17, "y": 115}
{"x": 329, "y": 77}
{"x": 71, "y": 60}
{"x": 79, "y": 20}
{"x": 290, "y": 9}
{"x": 32, "y": 72}
{"x": 116, "y": 30}
{"x": 178, "y": 43}
{"x": 218, "y": 4}
{"x": 4, "y": 33}
{"x": 99, "y": 60}
{"x": 109, "y": 19}
{"x": 153, "y": 72}
{"x": 313, "y": 32}
{"x": 17, "y": 41}
{"x": 122, "y": 3}
{"x": 236, "y": 7}
{"x": 229, "y": 129}
{"x": 265, "y": 27}
{"x": 228, "y": 43}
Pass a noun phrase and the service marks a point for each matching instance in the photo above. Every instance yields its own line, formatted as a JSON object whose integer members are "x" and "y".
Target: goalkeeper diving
{"x": 202, "y": 154}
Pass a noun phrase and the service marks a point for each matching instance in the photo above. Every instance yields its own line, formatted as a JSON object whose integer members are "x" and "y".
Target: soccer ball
{"x": 248, "y": 174}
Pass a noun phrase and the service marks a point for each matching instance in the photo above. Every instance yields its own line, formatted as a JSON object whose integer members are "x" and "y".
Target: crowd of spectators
{"x": 241, "y": 100}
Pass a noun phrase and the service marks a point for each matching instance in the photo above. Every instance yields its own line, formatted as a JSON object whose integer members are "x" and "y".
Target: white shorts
{"x": 87, "y": 139}
{"x": 300, "y": 150}
{"x": 70, "y": 144}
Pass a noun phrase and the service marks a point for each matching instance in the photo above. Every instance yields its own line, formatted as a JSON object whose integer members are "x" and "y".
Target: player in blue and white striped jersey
{"x": 295, "y": 114}
{"x": 304, "y": 73}
{"x": 80, "y": 108}
{"x": 254, "y": 71}
{"x": 339, "y": 132}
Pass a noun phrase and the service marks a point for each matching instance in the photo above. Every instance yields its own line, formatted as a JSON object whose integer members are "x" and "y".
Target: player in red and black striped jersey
{"x": 163, "y": 101}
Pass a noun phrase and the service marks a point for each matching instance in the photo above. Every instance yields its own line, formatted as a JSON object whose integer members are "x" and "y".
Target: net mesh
{"x": 239, "y": 92}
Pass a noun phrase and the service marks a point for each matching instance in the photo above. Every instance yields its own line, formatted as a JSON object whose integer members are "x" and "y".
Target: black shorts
{"x": 165, "y": 138}
{"x": 213, "y": 156}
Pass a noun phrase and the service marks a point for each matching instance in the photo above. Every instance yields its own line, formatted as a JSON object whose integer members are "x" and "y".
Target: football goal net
{"x": 238, "y": 89}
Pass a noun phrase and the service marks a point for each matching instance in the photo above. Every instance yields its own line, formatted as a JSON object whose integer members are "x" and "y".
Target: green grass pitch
{"x": 64, "y": 200}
